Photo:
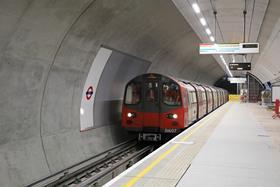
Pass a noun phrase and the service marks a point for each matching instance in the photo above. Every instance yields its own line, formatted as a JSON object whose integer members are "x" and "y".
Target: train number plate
{"x": 170, "y": 130}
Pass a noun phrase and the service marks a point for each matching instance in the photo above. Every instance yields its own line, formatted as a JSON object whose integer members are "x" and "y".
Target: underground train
{"x": 157, "y": 106}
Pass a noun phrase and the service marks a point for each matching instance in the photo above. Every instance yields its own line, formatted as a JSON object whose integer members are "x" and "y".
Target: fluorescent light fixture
{"x": 212, "y": 38}
{"x": 196, "y": 8}
{"x": 202, "y": 21}
{"x": 224, "y": 61}
{"x": 244, "y": 58}
{"x": 230, "y": 73}
{"x": 208, "y": 31}
{"x": 82, "y": 111}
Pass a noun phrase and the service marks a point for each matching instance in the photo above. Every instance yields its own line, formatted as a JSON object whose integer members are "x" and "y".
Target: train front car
{"x": 153, "y": 107}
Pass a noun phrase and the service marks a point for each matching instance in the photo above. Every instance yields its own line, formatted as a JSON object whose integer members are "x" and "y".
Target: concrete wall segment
{"x": 44, "y": 60}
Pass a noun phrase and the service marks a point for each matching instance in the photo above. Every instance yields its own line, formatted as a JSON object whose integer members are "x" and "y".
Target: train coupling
{"x": 149, "y": 137}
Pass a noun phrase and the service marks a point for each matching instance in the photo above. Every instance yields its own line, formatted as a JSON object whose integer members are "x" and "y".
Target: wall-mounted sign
{"x": 89, "y": 93}
{"x": 88, "y": 98}
{"x": 233, "y": 48}
{"x": 240, "y": 66}
{"x": 237, "y": 80}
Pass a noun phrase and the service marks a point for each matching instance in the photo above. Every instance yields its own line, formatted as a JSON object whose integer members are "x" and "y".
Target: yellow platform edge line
{"x": 150, "y": 166}
{"x": 159, "y": 159}
{"x": 234, "y": 97}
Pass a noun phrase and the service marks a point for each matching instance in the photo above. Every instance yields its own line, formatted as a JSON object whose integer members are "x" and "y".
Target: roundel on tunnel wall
{"x": 89, "y": 92}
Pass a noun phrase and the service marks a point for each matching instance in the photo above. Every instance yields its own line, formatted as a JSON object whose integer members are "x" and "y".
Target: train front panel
{"x": 153, "y": 105}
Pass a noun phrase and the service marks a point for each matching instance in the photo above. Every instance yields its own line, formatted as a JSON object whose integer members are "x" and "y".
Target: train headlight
{"x": 172, "y": 116}
{"x": 175, "y": 116}
{"x": 131, "y": 115}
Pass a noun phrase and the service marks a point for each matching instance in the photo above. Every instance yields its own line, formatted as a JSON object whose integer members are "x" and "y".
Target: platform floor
{"x": 236, "y": 145}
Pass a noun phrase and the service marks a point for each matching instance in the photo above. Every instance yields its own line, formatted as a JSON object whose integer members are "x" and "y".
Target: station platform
{"x": 236, "y": 145}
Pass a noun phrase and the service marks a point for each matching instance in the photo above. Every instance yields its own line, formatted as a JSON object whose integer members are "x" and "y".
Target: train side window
{"x": 171, "y": 94}
{"x": 210, "y": 96}
{"x": 203, "y": 95}
{"x": 190, "y": 97}
{"x": 194, "y": 97}
{"x": 133, "y": 93}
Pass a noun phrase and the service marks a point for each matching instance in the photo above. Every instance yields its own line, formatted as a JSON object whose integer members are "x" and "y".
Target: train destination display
{"x": 240, "y": 66}
{"x": 235, "y": 80}
{"x": 228, "y": 48}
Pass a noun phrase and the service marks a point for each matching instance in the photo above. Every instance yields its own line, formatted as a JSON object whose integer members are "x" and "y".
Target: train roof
{"x": 184, "y": 81}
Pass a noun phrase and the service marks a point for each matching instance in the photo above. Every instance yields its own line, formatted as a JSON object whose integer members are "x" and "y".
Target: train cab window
{"x": 133, "y": 93}
{"x": 151, "y": 92}
{"x": 171, "y": 94}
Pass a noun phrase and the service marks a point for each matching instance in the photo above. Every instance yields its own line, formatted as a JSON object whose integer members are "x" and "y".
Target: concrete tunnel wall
{"x": 47, "y": 48}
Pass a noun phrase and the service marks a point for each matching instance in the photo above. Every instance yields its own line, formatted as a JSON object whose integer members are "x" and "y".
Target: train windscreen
{"x": 151, "y": 91}
{"x": 171, "y": 94}
{"x": 133, "y": 93}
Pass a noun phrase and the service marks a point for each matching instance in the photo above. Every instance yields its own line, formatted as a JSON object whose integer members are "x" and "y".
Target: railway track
{"x": 99, "y": 169}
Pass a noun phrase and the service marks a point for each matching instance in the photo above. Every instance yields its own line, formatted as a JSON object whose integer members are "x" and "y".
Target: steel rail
{"x": 76, "y": 169}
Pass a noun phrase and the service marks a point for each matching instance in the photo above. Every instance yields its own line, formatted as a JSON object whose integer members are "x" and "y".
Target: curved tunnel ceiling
{"x": 47, "y": 48}
{"x": 262, "y": 25}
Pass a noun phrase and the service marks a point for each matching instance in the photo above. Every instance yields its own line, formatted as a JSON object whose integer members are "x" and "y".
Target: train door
{"x": 204, "y": 101}
{"x": 192, "y": 104}
{"x": 210, "y": 100}
{"x": 151, "y": 106}
{"x": 206, "y": 98}
{"x": 214, "y": 99}
{"x": 218, "y": 98}
{"x": 215, "y": 102}
{"x": 199, "y": 102}
{"x": 222, "y": 93}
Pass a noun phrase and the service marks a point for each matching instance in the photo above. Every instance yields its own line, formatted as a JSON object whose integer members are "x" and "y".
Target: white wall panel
{"x": 86, "y": 110}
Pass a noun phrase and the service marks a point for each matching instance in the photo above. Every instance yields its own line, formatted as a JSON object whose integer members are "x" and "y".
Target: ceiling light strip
{"x": 224, "y": 62}
{"x": 203, "y": 22}
{"x": 196, "y": 8}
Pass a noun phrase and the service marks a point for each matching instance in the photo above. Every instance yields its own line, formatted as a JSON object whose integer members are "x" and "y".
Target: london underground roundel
{"x": 89, "y": 93}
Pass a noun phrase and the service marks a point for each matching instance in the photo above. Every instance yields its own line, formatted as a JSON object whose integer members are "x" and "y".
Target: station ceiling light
{"x": 202, "y": 21}
{"x": 229, "y": 71}
{"x": 223, "y": 59}
{"x": 208, "y": 31}
{"x": 196, "y": 8}
{"x": 224, "y": 62}
{"x": 233, "y": 58}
